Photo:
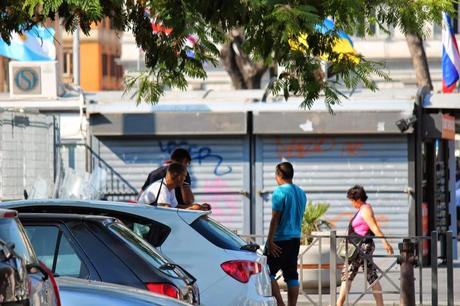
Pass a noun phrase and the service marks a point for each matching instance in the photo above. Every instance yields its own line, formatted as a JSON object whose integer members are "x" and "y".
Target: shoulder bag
{"x": 348, "y": 250}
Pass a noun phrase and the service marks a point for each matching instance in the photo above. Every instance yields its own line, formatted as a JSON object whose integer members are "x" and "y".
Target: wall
{"x": 91, "y": 66}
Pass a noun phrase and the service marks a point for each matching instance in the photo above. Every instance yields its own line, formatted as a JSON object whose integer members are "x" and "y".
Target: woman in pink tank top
{"x": 363, "y": 223}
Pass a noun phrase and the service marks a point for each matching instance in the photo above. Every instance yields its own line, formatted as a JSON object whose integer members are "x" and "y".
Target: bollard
{"x": 434, "y": 268}
{"x": 450, "y": 269}
{"x": 407, "y": 259}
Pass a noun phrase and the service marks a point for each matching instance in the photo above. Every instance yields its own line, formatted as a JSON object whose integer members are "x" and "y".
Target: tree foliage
{"x": 268, "y": 25}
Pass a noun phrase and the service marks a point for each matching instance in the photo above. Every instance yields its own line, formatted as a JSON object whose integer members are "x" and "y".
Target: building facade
{"x": 99, "y": 53}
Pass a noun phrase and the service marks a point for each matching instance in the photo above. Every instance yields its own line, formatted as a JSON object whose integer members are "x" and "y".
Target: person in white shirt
{"x": 162, "y": 192}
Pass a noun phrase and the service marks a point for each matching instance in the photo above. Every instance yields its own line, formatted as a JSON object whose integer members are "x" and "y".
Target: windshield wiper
{"x": 190, "y": 280}
{"x": 253, "y": 247}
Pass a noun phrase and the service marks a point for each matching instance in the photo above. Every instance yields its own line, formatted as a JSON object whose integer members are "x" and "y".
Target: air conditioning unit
{"x": 33, "y": 79}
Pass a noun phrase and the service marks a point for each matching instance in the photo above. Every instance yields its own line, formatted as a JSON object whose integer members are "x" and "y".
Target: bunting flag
{"x": 450, "y": 56}
{"x": 158, "y": 27}
{"x": 36, "y": 44}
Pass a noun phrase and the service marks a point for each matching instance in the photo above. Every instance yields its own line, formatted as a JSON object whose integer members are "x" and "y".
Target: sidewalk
{"x": 392, "y": 298}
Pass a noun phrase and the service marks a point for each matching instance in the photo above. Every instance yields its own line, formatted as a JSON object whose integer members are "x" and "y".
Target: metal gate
{"x": 326, "y": 166}
{"x": 219, "y": 170}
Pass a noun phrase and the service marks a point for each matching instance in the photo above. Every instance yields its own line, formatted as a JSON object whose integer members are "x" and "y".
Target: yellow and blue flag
{"x": 343, "y": 44}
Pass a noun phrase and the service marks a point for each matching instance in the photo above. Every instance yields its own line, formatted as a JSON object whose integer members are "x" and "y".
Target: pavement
{"x": 391, "y": 291}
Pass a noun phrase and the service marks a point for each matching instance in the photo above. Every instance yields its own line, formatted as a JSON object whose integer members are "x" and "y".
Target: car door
{"x": 42, "y": 292}
{"x": 57, "y": 249}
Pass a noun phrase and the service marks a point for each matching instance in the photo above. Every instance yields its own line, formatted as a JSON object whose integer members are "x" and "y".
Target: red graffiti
{"x": 300, "y": 148}
{"x": 352, "y": 148}
{"x": 303, "y": 147}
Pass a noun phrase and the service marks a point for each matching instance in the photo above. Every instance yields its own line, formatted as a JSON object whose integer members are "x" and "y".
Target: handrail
{"x": 98, "y": 159}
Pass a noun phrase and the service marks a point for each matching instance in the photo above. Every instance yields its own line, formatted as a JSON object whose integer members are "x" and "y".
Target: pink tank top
{"x": 360, "y": 226}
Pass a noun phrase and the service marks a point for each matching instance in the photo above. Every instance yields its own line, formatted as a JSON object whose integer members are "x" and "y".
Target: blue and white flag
{"x": 36, "y": 44}
{"x": 450, "y": 56}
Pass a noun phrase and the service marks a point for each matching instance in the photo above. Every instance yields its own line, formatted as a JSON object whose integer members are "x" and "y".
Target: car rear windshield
{"x": 11, "y": 231}
{"x": 141, "y": 247}
{"x": 218, "y": 234}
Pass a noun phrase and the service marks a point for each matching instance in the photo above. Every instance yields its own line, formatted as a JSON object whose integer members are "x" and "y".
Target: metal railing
{"x": 423, "y": 286}
{"x": 117, "y": 187}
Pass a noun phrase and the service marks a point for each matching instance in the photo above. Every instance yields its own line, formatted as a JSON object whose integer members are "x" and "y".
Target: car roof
{"x": 66, "y": 217}
{"x": 189, "y": 215}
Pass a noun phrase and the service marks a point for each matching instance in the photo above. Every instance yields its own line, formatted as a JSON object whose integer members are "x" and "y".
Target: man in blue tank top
{"x": 283, "y": 241}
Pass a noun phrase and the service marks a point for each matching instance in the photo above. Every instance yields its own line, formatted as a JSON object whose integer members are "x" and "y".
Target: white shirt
{"x": 166, "y": 196}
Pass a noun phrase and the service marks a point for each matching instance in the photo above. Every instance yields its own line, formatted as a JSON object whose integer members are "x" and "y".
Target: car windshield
{"x": 142, "y": 248}
{"x": 11, "y": 231}
{"x": 218, "y": 234}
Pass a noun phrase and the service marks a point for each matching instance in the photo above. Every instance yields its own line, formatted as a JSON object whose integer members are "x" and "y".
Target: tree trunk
{"x": 419, "y": 60}
{"x": 244, "y": 73}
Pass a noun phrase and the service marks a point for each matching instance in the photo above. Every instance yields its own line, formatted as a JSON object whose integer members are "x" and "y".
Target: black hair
{"x": 285, "y": 170}
{"x": 176, "y": 169}
{"x": 357, "y": 192}
{"x": 179, "y": 154}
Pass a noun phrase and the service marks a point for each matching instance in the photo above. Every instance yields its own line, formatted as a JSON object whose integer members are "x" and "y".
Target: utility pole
{"x": 76, "y": 56}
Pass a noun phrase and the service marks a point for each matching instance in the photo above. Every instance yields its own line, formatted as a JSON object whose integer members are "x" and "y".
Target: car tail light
{"x": 53, "y": 282}
{"x": 165, "y": 289}
{"x": 9, "y": 214}
{"x": 241, "y": 270}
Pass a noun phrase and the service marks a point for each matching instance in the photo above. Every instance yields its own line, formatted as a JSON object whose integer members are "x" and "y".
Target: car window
{"x": 217, "y": 234}
{"x": 11, "y": 231}
{"x": 153, "y": 232}
{"x": 142, "y": 248}
{"x": 55, "y": 250}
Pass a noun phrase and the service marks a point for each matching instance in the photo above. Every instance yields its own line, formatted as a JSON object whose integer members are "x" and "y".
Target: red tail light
{"x": 241, "y": 270}
{"x": 164, "y": 289}
{"x": 53, "y": 282}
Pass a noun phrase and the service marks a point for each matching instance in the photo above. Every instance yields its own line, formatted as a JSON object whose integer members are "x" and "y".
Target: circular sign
{"x": 26, "y": 79}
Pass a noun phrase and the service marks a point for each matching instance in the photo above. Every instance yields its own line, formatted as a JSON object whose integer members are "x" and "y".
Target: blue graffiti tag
{"x": 198, "y": 153}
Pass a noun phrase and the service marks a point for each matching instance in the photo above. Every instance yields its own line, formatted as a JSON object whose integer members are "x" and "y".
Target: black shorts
{"x": 287, "y": 262}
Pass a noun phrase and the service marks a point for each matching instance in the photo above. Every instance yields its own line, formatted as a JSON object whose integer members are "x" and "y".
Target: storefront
{"x": 235, "y": 149}
{"x": 440, "y": 113}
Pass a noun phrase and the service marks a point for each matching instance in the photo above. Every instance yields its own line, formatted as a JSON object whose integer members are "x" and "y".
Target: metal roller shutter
{"x": 219, "y": 170}
{"x": 325, "y": 167}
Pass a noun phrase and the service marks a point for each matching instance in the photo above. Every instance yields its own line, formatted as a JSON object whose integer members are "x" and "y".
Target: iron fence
{"x": 426, "y": 280}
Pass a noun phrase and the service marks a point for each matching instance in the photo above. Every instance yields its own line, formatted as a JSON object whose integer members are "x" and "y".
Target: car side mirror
{"x": 34, "y": 267}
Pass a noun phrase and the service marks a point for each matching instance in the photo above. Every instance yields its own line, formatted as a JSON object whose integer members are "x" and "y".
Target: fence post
{"x": 450, "y": 269}
{"x": 407, "y": 259}
{"x": 434, "y": 268}
{"x": 333, "y": 267}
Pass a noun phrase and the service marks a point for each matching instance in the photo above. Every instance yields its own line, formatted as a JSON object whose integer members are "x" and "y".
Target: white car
{"x": 228, "y": 271}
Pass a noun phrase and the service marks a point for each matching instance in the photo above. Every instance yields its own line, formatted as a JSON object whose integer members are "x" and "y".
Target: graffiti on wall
{"x": 225, "y": 206}
{"x": 301, "y": 147}
{"x": 198, "y": 154}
